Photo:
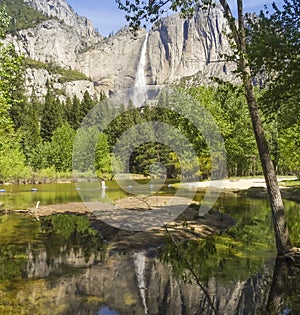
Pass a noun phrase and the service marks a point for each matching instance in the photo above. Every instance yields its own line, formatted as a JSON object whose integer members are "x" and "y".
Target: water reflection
{"x": 62, "y": 266}
{"x": 284, "y": 293}
{"x": 23, "y": 197}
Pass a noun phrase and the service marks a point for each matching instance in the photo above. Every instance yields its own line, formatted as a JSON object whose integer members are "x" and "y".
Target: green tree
{"x": 241, "y": 151}
{"x": 22, "y": 15}
{"x": 75, "y": 115}
{"x": 289, "y": 148}
{"x": 11, "y": 74}
{"x": 30, "y": 130}
{"x": 151, "y": 11}
{"x": 87, "y": 104}
{"x": 52, "y": 115}
{"x": 103, "y": 157}
{"x": 12, "y": 159}
{"x": 84, "y": 150}
{"x": 274, "y": 45}
{"x": 61, "y": 148}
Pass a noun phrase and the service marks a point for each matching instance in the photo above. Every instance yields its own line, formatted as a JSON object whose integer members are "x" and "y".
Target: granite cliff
{"x": 176, "y": 48}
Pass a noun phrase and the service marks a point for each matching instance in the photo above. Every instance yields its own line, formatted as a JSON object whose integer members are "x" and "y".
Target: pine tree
{"x": 52, "y": 115}
{"x": 30, "y": 130}
{"x": 75, "y": 115}
{"x": 87, "y": 104}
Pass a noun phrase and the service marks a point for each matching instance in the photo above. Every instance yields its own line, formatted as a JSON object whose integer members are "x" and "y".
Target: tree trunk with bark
{"x": 280, "y": 226}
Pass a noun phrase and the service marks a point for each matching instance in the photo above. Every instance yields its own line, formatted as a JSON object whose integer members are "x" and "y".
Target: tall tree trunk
{"x": 280, "y": 227}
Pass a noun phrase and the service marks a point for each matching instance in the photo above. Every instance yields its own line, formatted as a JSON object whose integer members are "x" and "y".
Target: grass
{"x": 291, "y": 183}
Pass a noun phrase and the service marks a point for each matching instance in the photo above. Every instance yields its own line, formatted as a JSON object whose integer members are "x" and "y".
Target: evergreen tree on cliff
{"x": 151, "y": 11}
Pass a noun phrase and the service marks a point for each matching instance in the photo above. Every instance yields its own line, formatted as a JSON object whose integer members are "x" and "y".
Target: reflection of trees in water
{"x": 70, "y": 232}
{"x": 232, "y": 283}
{"x": 68, "y": 242}
{"x": 65, "y": 265}
{"x": 284, "y": 295}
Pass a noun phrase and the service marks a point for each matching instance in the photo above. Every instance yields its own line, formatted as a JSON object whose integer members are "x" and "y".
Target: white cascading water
{"x": 139, "y": 94}
{"x": 139, "y": 264}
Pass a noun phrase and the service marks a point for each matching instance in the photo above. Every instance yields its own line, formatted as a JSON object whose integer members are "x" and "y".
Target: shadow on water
{"x": 61, "y": 265}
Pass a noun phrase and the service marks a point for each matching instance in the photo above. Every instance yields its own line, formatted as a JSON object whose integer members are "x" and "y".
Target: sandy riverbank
{"x": 236, "y": 184}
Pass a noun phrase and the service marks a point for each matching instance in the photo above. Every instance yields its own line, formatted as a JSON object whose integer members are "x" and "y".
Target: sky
{"x": 107, "y": 18}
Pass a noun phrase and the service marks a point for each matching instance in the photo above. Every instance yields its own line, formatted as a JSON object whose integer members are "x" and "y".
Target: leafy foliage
{"x": 12, "y": 80}
{"x": 12, "y": 159}
{"x": 289, "y": 146}
{"x": 103, "y": 157}
{"x": 274, "y": 45}
{"x": 61, "y": 148}
{"x": 138, "y": 12}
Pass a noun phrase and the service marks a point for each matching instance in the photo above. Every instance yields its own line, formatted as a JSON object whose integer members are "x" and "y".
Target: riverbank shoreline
{"x": 251, "y": 187}
{"x": 187, "y": 226}
{"x": 238, "y": 184}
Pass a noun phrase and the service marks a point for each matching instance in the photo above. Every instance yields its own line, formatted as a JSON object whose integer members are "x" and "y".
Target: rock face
{"x": 36, "y": 81}
{"x": 51, "y": 42}
{"x": 60, "y": 39}
{"x": 61, "y": 10}
{"x": 179, "y": 48}
{"x": 175, "y": 49}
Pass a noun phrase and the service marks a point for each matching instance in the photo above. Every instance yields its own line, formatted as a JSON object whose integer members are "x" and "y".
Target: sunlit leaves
{"x": 274, "y": 45}
{"x": 61, "y": 148}
{"x": 12, "y": 159}
{"x": 289, "y": 146}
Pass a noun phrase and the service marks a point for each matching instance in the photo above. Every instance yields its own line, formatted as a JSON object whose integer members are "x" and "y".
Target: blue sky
{"x": 106, "y": 16}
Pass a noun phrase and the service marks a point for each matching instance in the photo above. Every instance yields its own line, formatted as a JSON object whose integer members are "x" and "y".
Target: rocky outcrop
{"x": 113, "y": 62}
{"x": 61, "y": 10}
{"x": 36, "y": 83}
{"x": 176, "y": 48}
{"x": 185, "y": 47}
{"x": 57, "y": 41}
{"x": 50, "y": 42}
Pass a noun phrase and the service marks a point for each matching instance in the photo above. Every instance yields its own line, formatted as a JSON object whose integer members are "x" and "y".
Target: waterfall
{"x": 139, "y": 264}
{"x": 140, "y": 80}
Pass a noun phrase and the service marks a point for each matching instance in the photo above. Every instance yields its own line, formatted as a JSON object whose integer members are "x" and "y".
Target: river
{"x": 61, "y": 265}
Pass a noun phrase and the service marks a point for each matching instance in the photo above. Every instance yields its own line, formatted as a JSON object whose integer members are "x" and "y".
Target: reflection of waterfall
{"x": 139, "y": 264}
{"x": 140, "y": 80}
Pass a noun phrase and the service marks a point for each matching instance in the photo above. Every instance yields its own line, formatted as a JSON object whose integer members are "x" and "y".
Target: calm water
{"x": 22, "y": 196}
{"x": 61, "y": 265}
{"x": 26, "y": 196}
